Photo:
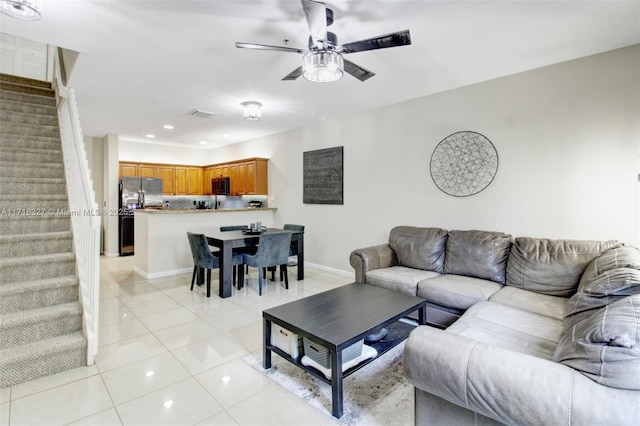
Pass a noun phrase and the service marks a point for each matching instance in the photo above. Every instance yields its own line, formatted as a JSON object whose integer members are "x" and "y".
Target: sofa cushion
{"x": 398, "y": 278}
{"x": 420, "y": 248}
{"x": 542, "y": 304}
{"x": 606, "y": 345}
{"x": 606, "y": 288}
{"x": 510, "y": 328}
{"x": 456, "y": 291}
{"x": 479, "y": 254}
{"x": 552, "y": 267}
{"x": 614, "y": 258}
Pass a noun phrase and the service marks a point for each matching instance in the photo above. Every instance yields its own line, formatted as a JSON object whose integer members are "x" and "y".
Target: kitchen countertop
{"x": 183, "y": 211}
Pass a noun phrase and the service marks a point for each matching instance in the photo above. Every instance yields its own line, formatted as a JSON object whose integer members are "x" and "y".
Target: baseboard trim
{"x": 110, "y": 254}
{"x": 161, "y": 274}
{"x": 346, "y": 274}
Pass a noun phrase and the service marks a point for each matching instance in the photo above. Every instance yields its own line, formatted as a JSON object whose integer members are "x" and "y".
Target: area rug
{"x": 377, "y": 394}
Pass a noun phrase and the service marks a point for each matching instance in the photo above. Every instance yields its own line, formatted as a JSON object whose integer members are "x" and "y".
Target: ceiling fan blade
{"x": 357, "y": 71}
{"x": 268, "y": 47}
{"x": 316, "y": 13}
{"x": 400, "y": 38}
{"x": 294, "y": 74}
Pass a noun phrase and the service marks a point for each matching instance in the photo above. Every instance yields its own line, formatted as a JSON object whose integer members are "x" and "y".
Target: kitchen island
{"x": 161, "y": 246}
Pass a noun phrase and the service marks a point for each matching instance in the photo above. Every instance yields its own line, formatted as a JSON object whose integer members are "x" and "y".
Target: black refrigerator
{"x": 135, "y": 193}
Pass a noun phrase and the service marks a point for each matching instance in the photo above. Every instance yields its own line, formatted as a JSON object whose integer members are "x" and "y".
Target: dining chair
{"x": 203, "y": 259}
{"x": 240, "y": 250}
{"x": 273, "y": 250}
{"x": 293, "y": 249}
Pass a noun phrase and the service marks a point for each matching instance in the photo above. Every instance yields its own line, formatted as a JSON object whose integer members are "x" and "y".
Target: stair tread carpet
{"x": 27, "y": 295}
{"x": 39, "y": 315}
{"x": 34, "y": 360}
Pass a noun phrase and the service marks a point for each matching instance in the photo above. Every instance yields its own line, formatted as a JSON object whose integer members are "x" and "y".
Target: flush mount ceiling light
{"x": 25, "y": 10}
{"x": 322, "y": 66}
{"x": 252, "y": 110}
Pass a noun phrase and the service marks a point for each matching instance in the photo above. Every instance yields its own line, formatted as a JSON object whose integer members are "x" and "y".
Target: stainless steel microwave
{"x": 220, "y": 186}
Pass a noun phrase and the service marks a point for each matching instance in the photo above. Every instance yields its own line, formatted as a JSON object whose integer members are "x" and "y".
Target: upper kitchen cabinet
{"x": 147, "y": 170}
{"x": 195, "y": 181}
{"x": 129, "y": 169}
{"x": 257, "y": 177}
{"x": 182, "y": 180}
{"x": 168, "y": 175}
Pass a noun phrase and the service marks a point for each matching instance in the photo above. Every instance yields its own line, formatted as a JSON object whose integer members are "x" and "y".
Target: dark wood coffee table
{"x": 338, "y": 318}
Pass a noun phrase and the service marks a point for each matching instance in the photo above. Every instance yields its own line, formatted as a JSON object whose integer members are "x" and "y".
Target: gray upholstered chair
{"x": 204, "y": 259}
{"x": 273, "y": 250}
{"x": 239, "y": 250}
{"x": 293, "y": 250}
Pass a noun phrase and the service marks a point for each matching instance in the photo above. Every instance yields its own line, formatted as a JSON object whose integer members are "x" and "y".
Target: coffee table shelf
{"x": 398, "y": 332}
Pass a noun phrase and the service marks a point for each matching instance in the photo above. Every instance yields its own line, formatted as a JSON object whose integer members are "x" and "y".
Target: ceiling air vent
{"x": 203, "y": 114}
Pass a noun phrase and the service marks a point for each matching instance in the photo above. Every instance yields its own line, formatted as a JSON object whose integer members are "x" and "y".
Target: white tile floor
{"x": 171, "y": 356}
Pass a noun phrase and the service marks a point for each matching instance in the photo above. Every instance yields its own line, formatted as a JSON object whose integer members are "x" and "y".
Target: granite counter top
{"x": 184, "y": 211}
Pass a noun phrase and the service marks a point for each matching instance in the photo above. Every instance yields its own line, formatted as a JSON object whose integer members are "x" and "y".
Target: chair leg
{"x": 240, "y": 277}
{"x": 273, "y": 273}
{"x": 283, "y": 271}
{"x": 233, "y": 273}
{"x": 208, "y": 282}
{"x": 260, "y": 281}
{"x": 193, "y": 278}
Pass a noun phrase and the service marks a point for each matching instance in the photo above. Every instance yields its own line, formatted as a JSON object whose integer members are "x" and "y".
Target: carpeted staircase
{"x": 40, "y": 313}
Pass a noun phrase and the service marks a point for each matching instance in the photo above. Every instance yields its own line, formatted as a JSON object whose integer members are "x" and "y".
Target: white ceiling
{"x": 146, "y": 63}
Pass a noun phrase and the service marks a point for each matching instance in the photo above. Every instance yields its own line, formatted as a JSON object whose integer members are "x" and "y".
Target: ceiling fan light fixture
{"x": 252, "y": 110}
{"x": 322, "y": 66}
{"x": 25, "y": 10}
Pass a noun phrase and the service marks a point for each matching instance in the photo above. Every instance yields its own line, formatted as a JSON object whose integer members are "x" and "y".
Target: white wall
{"x": 157, "y": 153}
{"x": 567, "y": 136}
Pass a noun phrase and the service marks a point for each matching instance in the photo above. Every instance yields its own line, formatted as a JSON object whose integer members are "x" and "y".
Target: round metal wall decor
{"x": 464, "y": 164}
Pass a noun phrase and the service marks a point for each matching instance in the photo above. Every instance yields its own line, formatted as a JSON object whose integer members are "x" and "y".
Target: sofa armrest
{"x": 511, "y": 387}
{"x": 369, "y": 258}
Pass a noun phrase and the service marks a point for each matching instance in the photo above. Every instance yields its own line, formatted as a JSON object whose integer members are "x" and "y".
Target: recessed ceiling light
{"x": 168, "y": 127}
{"x": 150, "y": 136}
{"x": 204, "y": 142}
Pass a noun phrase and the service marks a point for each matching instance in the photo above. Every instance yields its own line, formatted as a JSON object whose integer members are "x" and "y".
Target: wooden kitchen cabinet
{"x": 129, "y": 169}
{"x": 208, "y": 174}
{"x": 182, "y": 180}
{"x": 257, "y": 181}
{"x": 147, "y": 170}
{"x": 168, "y": 175}
{"x": 247, "y": 177}
{"x": 195, "y": 180}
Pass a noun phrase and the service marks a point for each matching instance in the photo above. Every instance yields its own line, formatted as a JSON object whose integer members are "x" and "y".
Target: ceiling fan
{"x": 323, "y": 61}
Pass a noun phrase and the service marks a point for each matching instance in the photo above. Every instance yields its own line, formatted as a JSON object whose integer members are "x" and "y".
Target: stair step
{"x": 29, "y": 118}
{"x": 6, "y": 95}
{"x": 32, "y": 204}
{"x": 35, "y": 244}
{"x": 9, "y": 169}
{"x": 32, "y": 142}
{"x": 20, "y": 328}
{"x": 34, "y": 360}
{"x": 35, "y": 186}
{"x": 27, "y": 89}
{"x": 29, "y": 268}
{"x": 29, "y": 130}
{"x": 30, "y": 155}
{"x": 25, "y": 81}
{"x": 25, "y": 107}
{"x": 24, "y": 296}
{"x": 27, "y": 224}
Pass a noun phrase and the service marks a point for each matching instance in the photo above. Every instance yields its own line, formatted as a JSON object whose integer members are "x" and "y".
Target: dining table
{"x": 226, "y": 241}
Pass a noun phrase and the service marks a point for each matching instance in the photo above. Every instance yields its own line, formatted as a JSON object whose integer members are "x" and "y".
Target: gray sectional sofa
{"x": 523, "y": 330}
